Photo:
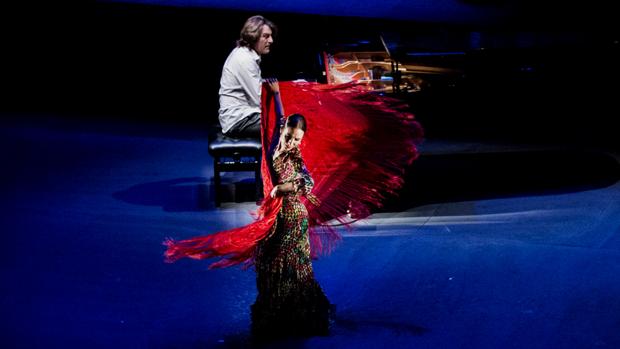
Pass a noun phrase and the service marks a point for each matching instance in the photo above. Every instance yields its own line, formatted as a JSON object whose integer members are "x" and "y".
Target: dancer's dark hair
{"x": 296, "y": 121}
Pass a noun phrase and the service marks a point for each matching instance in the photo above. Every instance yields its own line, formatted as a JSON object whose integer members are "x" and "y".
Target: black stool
{"x": 234, "y": 154}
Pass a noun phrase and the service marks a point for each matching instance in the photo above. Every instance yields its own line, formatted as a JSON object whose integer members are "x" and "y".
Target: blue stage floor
{"x": 455, "y": 262}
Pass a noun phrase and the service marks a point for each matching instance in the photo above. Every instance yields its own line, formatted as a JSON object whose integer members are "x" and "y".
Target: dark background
{"x": 537, "y": 75}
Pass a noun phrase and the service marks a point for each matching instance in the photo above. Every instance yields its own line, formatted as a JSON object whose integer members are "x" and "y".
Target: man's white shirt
{"x": 240, "y": 87}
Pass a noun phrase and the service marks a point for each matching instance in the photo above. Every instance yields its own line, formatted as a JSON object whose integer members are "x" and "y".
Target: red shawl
{"x": 356, "y": 148}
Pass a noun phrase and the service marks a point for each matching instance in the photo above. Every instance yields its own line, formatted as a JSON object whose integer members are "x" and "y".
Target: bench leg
{"x": 259, "y": 180}
{"x": 217, "y": 181}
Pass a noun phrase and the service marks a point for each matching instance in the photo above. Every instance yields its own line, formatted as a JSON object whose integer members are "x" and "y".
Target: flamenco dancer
{"x": 356, "y": 148}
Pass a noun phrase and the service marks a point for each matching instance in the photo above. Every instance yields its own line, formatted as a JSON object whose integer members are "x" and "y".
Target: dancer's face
{"x": 292, "y": 137}
{"x": 263, "y": 45}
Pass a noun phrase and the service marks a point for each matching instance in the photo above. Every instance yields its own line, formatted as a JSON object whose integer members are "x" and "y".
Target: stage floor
{"x": 488, "y": 246}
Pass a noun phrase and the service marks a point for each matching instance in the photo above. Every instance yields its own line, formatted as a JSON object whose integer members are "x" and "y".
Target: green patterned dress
{"x": 290, "y": 302}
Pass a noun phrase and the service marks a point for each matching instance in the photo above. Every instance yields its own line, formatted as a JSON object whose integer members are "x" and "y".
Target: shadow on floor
{"x": 477, "y": 176}
{"x": 431, "y": 179}
{"x": 175, "y": 195}
{"x": 187, "y": 194}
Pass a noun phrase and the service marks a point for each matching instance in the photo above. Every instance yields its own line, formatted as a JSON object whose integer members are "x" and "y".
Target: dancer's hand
{"x": 274, "y": 192}
{"x": 273, "y": 84}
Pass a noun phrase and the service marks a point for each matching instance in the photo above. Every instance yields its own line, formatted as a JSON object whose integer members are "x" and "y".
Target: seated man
{"x": 241, "y": 82}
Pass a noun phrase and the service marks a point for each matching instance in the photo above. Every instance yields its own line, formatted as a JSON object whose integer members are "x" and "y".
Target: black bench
{"x": 234, "y": 154}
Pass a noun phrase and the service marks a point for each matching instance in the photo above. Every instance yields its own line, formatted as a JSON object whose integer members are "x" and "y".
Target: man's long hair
{"x": 252, "y": 30}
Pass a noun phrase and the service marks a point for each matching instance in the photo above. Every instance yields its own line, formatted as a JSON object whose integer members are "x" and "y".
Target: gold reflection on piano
{"x": 378, "y": 71}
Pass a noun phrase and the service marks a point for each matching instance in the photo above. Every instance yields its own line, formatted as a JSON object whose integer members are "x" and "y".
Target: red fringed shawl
{"x": 356, "y": 148}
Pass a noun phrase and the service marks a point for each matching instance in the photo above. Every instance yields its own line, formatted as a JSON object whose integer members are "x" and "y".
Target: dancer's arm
{"x": 284, "y": 188}
{"x": 275, "y": 88}
{"x": 277, "y": 132}
{"x": 303, "y": 181}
